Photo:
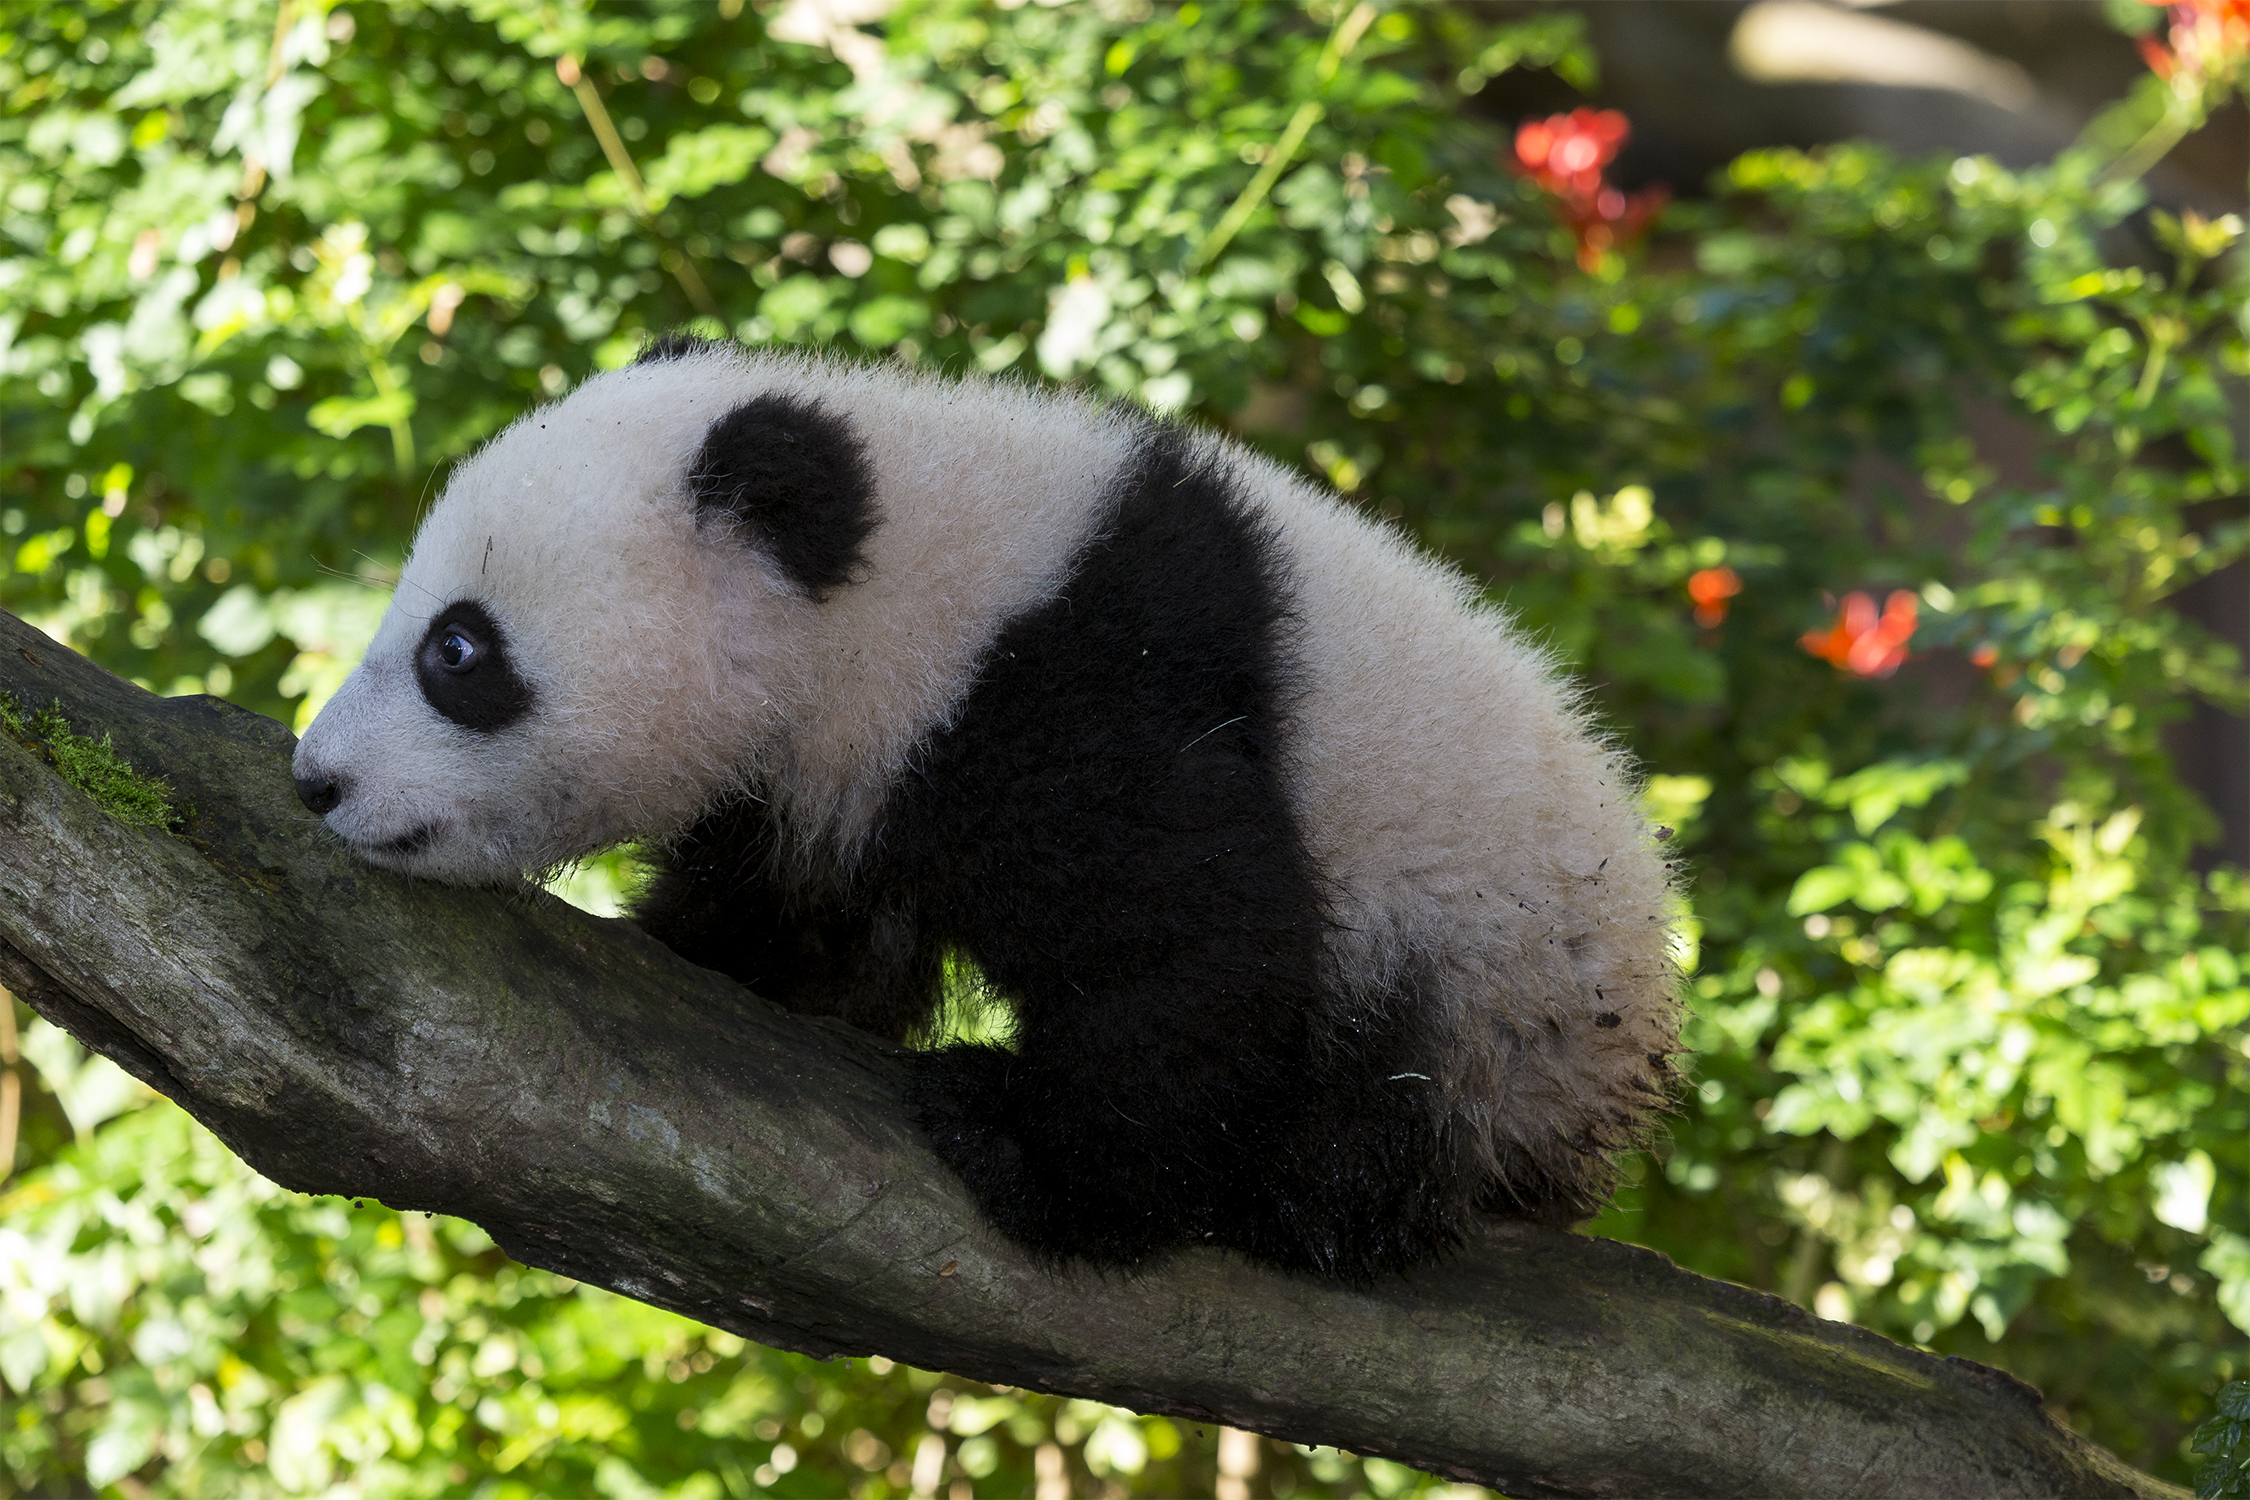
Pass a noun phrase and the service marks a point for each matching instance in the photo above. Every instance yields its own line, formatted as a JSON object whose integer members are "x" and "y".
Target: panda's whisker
{"x": 422, "y": 501}
{"x": 1206, "y": 734}
{"x": 406, "y": 580}
{"x": 332, "y": 571}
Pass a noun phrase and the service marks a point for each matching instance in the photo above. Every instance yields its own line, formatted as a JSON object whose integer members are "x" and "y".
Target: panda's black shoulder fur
{"x": 1104, "y": 829}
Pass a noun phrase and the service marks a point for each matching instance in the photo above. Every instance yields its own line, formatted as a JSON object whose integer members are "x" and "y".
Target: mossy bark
{"x": 613, "y": 1113}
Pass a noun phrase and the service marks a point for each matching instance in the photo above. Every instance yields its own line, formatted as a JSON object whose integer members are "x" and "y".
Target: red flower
{"x": 1711, "y": 589}
{"x": 1859, "y": 641}
{"x": 2209, "y": 39}
{"x": 1565, "y": 154}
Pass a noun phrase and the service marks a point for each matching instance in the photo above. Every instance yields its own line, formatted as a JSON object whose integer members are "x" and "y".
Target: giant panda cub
{"x": 1326, "y": 920}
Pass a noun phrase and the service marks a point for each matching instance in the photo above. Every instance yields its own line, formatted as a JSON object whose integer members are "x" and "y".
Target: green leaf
{"x": 696, "y": 161}
{"x": 341, "y": 416}
{"x": 881, "y": 322}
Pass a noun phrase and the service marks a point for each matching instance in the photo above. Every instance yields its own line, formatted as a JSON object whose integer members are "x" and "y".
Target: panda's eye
{"x": 465, "y": 671}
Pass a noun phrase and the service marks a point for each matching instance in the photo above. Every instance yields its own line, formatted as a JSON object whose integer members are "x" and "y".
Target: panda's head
{"x": 586, "y": 640}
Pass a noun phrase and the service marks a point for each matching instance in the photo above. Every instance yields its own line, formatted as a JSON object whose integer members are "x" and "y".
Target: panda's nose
{"x": 319, "y": 792}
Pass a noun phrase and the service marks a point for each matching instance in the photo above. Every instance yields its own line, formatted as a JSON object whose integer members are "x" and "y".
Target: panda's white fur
{"x": 1445, "y": 770}
{"x": 672, "y": 667}
{"x": 1479, "y": 845}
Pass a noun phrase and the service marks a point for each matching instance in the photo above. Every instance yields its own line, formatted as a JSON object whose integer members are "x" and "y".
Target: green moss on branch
{"x": 93, "y": 766}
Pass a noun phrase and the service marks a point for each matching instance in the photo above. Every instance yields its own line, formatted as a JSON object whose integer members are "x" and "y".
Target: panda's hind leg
{"x": 1135, "y": 1123}
{"x": 980, "y": 1106}
{"x": 1370, "y": 1184}
{"x": 1115, "y": 1131}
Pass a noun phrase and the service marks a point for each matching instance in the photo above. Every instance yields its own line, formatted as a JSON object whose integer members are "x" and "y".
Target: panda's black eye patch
{"x": 464, "y": 671}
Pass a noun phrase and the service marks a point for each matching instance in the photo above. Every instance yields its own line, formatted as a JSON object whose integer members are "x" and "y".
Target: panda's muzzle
{"x": 413, "y": 841}
{"x": 322, "y": 794}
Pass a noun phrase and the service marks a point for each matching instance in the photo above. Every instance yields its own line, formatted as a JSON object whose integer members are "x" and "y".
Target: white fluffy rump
{"x": 1484, "y": 843}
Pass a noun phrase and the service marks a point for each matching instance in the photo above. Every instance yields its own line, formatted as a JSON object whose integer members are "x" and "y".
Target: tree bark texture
{"x": 615, "y": 1114}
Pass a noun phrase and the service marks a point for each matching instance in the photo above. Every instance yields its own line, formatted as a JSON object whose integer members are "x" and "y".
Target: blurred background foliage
{"x": 1864, "y": 490}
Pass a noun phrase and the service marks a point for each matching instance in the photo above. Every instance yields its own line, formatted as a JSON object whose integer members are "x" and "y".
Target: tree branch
{"x": 610, "y": 1112}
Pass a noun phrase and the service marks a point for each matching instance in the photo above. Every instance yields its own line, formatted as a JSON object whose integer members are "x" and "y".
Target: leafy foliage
{"x": 1971, "y": 1016}
{"x": 2224, "y": 1445}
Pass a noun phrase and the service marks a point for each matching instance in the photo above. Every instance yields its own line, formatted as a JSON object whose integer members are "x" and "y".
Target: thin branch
{"x": 682, "y": 264}
{"x": 1284, "y": 150}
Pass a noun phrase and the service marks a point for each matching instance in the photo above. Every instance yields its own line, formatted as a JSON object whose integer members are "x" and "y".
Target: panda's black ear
{"x": 673, "y": 345}
{"x": 796, "y": 480}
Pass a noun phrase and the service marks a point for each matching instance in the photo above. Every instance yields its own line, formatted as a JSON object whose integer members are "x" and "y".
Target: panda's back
{"x": 1474, "y": 848}
{"x": 988, "y": 493}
